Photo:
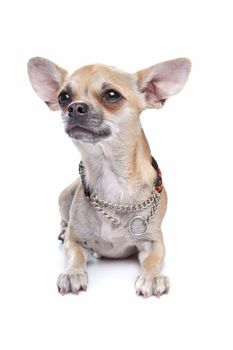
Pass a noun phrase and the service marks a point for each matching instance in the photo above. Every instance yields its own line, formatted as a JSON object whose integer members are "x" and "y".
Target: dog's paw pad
{"x": 147, "y": 285}
{"x": 72, "y": 282}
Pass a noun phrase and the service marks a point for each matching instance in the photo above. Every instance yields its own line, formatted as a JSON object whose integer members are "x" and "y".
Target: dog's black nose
{"x": 78, "y": 109}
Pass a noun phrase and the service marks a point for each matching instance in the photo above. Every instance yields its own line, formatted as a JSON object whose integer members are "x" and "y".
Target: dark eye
{"x": 64, "y": 98}
{"x": 112, "y": 96}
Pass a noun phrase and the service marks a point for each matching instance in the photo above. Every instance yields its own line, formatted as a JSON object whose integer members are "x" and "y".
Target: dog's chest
{"x": 97, "y": 233}
{"x": 105, "y": 238}
{"x": 108, "y": 182}
{"x": 114, "y": 242}
{"x": 94, "y": 227}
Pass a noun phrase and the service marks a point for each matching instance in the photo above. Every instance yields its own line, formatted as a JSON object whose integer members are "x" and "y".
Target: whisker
{"x": 111, "y": 121}
{"x": 105, "y": 122}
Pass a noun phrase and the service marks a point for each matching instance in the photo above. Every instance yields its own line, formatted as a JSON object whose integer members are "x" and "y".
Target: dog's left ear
{"x": 163, "y": 80}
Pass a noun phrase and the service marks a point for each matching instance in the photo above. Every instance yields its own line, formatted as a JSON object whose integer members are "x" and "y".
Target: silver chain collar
{"x": 153, "y": 202}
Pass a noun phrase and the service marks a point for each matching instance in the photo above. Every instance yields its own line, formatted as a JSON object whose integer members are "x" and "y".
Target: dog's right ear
{"x": 46, "y": 79}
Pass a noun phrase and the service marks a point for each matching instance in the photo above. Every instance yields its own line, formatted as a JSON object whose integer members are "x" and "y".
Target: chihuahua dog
{"x": 116, "y": 207}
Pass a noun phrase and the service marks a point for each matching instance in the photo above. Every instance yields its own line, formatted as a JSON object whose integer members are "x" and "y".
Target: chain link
{"x": 99, "y": 204}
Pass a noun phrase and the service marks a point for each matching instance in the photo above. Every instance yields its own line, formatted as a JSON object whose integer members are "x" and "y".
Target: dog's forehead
{"x": 102, "y": 74}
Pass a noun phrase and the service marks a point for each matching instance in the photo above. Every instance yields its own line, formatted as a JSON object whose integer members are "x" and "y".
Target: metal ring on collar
{"x": 131, "y": 225}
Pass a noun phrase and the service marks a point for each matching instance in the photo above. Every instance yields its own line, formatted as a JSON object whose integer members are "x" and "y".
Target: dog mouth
{"x": 78, "y": 129}
{"x": 84, "y": 133}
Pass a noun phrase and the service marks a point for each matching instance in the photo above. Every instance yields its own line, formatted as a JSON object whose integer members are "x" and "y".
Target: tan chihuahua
{"x": 116, "y": 207}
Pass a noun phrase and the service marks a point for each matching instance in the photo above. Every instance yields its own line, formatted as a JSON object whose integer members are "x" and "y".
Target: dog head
{"x": 98, "y": 102}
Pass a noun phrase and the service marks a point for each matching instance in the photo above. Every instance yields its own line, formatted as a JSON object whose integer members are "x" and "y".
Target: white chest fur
{"x": 106, "y": 172}
{"x": 109, "y": 184}
{"x": 113, "y": 241}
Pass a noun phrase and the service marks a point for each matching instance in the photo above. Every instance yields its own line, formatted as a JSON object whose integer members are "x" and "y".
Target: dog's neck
{"x": 119, "y": 172}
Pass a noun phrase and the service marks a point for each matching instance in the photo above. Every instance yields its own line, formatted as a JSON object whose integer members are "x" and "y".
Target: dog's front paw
{"x": 148, "y": 284}
{"x": 72, "y": 282}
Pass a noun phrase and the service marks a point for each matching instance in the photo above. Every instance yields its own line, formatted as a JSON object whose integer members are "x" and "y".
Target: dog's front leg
{"x": 150, "y": 281}
{"x": 75, "y": 277}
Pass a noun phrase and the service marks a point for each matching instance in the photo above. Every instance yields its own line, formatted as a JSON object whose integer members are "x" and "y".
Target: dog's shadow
{"x": 105, "y": 271}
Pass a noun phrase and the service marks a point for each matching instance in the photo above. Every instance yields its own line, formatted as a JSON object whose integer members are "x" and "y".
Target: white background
{"x": 191, "y": 138}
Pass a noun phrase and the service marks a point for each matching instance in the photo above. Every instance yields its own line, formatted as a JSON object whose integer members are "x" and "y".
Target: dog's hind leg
{"x": 65, "y": 200}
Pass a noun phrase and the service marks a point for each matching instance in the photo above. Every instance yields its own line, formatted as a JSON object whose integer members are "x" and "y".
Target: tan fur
{"x": 87, "y": 83}
{"x": 75, "y": 277}
{"x": 74, "y": 253}
{"x": 118, "y": 166}
{"x": 153, "y": 262}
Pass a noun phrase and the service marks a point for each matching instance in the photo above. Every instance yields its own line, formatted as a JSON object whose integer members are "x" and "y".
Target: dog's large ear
{"x": 46, "y": 79}
{"x": 163, "y": 80}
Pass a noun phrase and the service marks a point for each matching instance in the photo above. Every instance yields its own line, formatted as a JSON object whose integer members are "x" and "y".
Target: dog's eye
{"x": 112, "y": 96}
{"x": 64, "y": 98}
